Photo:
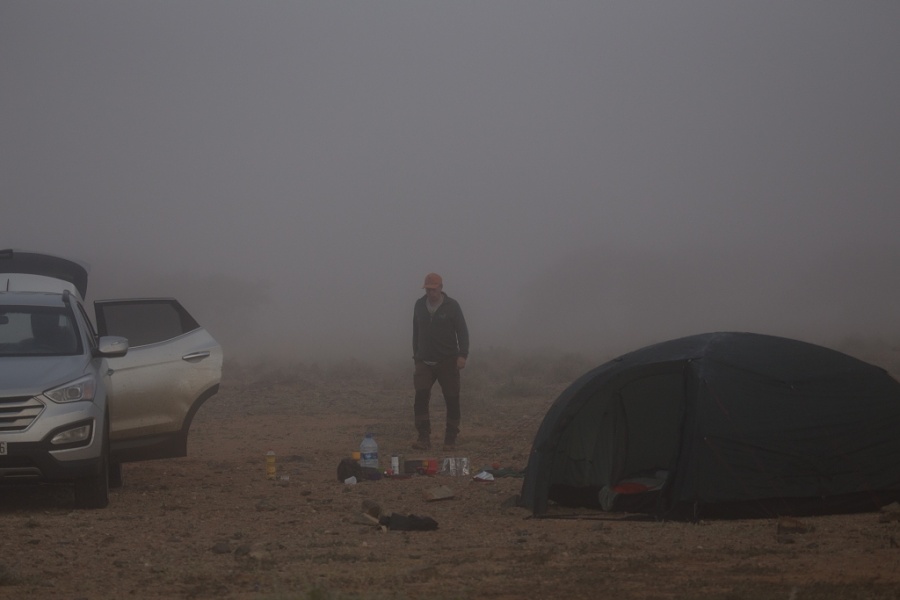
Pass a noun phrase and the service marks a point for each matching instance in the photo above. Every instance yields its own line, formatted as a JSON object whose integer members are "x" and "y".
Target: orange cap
{"x": 433, "y": 281}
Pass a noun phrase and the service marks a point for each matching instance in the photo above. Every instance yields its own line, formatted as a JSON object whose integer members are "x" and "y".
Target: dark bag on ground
{"x": 348, "y": 468}
{"x": 398, "y": 522}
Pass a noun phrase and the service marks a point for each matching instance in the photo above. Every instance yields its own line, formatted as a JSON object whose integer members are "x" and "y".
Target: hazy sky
{"x": 585, "y": 175}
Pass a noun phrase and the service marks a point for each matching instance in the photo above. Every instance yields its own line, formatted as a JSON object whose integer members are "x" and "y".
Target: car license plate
{"x": 2, "y": 448}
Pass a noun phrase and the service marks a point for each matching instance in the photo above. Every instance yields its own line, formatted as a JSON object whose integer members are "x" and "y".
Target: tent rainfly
{"x": 721, "y": 425}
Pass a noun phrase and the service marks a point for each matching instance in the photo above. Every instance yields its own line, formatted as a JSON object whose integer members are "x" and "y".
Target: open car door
{"x": 172, "y": 367}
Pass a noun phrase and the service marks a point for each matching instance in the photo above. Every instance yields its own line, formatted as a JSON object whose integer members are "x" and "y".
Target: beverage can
{"x": 455, "y": 466}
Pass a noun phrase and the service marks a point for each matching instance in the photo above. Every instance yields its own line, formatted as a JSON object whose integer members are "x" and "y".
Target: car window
{"x": 145, "y": 322}
{"x": 37, "y": 331}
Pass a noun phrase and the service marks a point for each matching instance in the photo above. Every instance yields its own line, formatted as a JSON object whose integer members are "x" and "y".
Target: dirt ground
{"x": 212, "y": 526}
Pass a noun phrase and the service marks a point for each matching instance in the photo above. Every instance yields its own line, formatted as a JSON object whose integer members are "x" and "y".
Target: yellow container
{"x": 270, "y": 464}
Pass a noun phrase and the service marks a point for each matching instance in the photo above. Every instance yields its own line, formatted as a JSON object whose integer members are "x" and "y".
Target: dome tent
{"x": 721, "y": 424}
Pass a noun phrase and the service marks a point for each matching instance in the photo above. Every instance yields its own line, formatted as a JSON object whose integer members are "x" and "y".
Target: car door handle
{"x": 196, "y": 355}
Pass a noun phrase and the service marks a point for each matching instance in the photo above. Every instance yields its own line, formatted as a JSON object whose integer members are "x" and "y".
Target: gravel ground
{"x": 211, "y": 525}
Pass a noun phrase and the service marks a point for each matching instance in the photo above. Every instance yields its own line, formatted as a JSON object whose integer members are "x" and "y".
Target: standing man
{"x": 440, "y": 348}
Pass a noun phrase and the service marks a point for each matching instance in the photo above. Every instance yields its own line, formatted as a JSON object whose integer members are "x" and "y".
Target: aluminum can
{"x": 455, "y": 466}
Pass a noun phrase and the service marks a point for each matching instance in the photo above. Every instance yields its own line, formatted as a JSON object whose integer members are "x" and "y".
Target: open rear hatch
{"x": 33, "y": 272}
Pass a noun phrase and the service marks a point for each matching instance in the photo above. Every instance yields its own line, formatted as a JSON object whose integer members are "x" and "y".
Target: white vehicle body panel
{"x": 178, "y": 370}
{"x": 26, "y": 282}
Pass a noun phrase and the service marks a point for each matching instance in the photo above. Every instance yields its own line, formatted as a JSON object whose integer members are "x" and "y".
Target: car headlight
{"x": 82, "y": 388}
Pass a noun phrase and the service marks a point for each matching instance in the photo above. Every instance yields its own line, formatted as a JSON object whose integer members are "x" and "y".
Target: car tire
{"x": 93, "y": 491}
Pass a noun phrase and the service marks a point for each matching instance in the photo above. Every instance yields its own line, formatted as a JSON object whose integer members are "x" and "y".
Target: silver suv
{"x": 77, "y": 401}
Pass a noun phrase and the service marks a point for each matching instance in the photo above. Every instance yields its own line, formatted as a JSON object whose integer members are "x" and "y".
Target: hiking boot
{"x": 421, "y": 445}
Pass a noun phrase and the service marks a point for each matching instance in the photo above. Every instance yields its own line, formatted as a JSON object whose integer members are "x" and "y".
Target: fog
{"x": 586, "y": 176}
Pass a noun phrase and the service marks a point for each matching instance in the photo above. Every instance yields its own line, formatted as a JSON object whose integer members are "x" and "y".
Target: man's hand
{"x": 460, "y": 362}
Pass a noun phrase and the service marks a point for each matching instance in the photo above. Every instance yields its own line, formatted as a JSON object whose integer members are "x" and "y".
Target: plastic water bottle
{"x": 368, "y": 452}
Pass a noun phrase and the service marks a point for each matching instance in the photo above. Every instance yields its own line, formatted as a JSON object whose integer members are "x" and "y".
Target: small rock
{"x": 889, "y": 513}
{"x": 893, "y": 507}
{"x": 441, "y": 492}
{"x": 262, "y": 557}
{"x": 221, "y": 548}
{"x": 791, "y": 525}
{"x": 420, "y": 574}
{"x": 784, "y": 539}
{"x": 511, "y": 502}
{"x": 265, "y": 505}
{"x": 363, "y": 519}
{"x": 371, "y": 507}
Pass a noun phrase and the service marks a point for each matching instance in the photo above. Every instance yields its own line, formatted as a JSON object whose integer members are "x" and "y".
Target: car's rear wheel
{"x": 93, "y": 491}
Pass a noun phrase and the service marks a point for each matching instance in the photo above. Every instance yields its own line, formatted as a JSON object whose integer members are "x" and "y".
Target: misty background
{"x": 587, "y": 176}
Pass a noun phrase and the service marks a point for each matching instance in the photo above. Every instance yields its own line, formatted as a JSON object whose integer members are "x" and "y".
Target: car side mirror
{"x": 111, "y": 346}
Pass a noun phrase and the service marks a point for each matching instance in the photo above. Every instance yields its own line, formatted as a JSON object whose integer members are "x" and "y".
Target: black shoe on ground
{"x": 421, "y": 445}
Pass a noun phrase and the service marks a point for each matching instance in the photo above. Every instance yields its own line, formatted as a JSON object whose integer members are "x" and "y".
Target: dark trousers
{"x": 446, "y": 374}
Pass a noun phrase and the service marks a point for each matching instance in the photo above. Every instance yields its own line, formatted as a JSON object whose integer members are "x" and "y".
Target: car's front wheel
{"x": 93, "y": 491}
{"x": 116, "y": 479}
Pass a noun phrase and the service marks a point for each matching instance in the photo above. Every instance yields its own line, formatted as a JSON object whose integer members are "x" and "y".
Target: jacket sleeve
{"x": 415, "y": 334}
{"x": 462, "y": 333}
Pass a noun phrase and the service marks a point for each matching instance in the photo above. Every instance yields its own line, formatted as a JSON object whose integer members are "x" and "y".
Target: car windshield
{"x": 37, "y": 331}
